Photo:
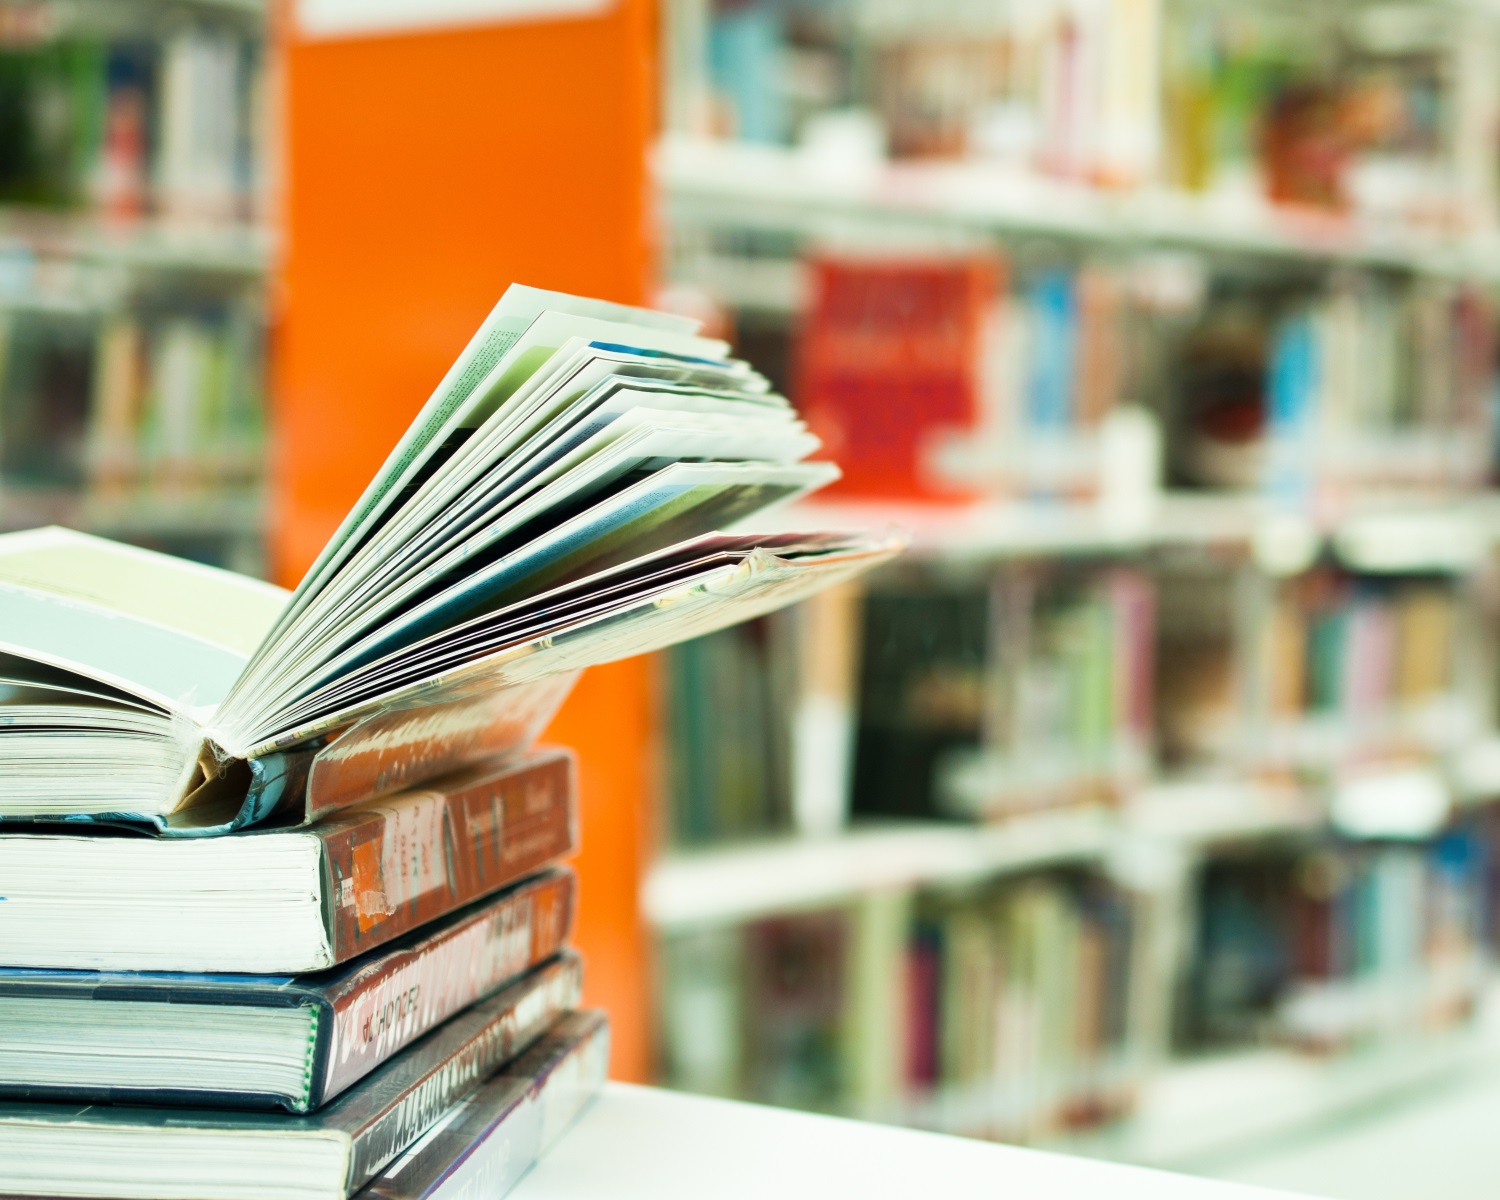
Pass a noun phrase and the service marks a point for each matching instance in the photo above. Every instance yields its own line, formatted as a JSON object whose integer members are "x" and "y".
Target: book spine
{"x": 395, "y": 751}
{"x": 397, "y": 864}
{"x": 398, "y": 1105}
{"x": 482, "y": 1147}
{"x": 386, "y": 1007}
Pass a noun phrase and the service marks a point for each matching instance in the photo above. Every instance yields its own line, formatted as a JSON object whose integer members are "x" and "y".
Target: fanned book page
{"x": 556, "y": 503}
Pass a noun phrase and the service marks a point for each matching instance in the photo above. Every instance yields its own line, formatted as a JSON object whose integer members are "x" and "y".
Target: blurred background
{"x": 1146, "y": 808}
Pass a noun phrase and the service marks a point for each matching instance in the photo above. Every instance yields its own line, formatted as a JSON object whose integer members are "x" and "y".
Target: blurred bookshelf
{"x": 713, "y": 185}
{"x": 1145, "y": 808}
{"x": 135, "y": 252}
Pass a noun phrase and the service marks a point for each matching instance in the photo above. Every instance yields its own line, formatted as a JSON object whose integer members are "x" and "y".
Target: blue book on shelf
{"x": 1292, "y": 382}
{"x": 1054, "y": 352}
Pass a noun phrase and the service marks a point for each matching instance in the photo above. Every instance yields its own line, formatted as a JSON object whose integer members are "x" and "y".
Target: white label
{"x": 351, "y": 18}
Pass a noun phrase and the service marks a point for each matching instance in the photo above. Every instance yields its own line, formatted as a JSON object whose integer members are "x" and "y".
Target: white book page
{"x": 508, "y": 403}
{"x": 718, "y": 598}
{"x": 171, "y": 669}
{"x": 31, "y": 675}
{"x": 638, "y": 439}
{"x": 205, "y": 603}
{"x": 594, "y": 597}
{"x": 498, "y": 342}
{"x": 680, "y": 499}
{"x": 506, "y": 447}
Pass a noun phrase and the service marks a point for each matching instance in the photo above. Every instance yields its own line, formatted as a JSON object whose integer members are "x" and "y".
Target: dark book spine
{"x": 484, "y": 1147}
{"x": 392, "y": 866}
{"x": 370, "y": 1015}
{"x": 395, "y": 1106}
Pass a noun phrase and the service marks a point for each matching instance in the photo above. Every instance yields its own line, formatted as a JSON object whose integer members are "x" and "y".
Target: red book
{"x": 888, "y": 367}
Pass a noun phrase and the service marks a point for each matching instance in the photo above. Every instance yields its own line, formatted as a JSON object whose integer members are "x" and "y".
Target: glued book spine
{"x": 483, "y": 1145}
{"x": 362, "y": 1014}
{"x": 378, "y": 1009}
{"x": 44, "y": 1148}
{"x": 392, "y": 866}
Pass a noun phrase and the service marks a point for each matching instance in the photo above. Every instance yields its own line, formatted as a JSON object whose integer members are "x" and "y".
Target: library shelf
{"x": 983, "y": 530}
{"x": 1474, "y": 772}
{"x": 89, "y": 13}
{"x": 638, "y": 1142}
{"x": 1367, "y": 534}
{"x": 1204, "y": 812}
{"x": 711, "y": 183}
{"x": 1194, "y": 1111}
{"x": 227, "y": 248}
{"x": 216, "y": 513}
{"x": 728, "y": 885}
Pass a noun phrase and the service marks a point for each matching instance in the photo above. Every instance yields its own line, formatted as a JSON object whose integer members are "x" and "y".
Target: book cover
{"x": 284, "y": 901}
{"x": 392, "y": 866}
{"x": 484, "y": 1144}
{"x": 351, "y": 1019}
{"x": 66, "y": 1150}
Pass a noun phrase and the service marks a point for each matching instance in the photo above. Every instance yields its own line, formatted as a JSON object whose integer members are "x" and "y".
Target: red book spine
{"x": 395, "y": 751}
{"x": 393, "y": 865}
{"x": 403, "y": 994}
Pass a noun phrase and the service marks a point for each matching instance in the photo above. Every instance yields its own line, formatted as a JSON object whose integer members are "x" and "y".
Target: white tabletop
{"x": 644, "y": 1142}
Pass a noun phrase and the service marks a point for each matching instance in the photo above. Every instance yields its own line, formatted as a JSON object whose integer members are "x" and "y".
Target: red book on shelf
{"x": 888, "y": 367}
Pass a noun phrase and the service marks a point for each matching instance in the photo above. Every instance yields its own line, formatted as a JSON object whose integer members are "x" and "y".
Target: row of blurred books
{"x": 1026, "y": 687}
{"x": 998, "y": 1011}
{"x": 1339, "y": 945}
{"x": 1036, "y": 1006}
{"x": 129, "y": 125}
{"x": 955, "y": 376}
{"x": 1318, "y": 670}
{"x": 1382, "y": 113}
{"x": 926, "y": 378}
{"x": 163, "y": 397}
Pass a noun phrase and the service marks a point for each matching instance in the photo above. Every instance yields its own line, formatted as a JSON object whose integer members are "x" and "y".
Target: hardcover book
{"x": 139, "y": 1153}
{"x": 266, "y": 1041}
{"x": 552, "y": 506}
{"x": 485, "y": 1143}
{"x": 284, "y": 901}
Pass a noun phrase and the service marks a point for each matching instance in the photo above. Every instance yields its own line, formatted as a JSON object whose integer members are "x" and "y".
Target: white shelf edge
{"x": 1196, "y": 1111}
{"x": 1474, "y": 772}
{"x": 146, "y": 244}
{"x": 1202, "y": 812}
{"x": 708, "y": 182}
{"x": 233, "y": 513}
{"x": 733, "y": 884}
{"x": 1450, "y": 535}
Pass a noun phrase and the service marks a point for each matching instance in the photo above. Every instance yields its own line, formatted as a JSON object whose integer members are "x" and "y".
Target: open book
{"x": 555, "y": 504}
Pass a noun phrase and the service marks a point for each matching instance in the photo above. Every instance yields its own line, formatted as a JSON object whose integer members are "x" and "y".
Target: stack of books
{"x": 282, "y": 911}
